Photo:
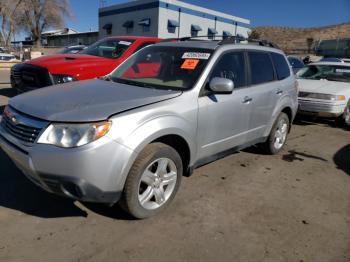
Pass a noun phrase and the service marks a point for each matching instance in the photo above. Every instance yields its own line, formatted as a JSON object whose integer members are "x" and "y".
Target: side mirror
{"x": 221, "y": 85}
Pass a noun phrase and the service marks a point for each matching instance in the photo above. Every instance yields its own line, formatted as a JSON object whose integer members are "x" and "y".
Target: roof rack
{"x": 239, "y": 39}
{"x": 225, "y": 40}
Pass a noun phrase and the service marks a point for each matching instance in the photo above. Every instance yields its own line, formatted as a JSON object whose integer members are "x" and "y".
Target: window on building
{"x": 231, "y": 66}
{"x": 195, "y": 29}
{"x": 212, "y": 32}
{"x": 261, "y": 68}
{"x": 281, "y": 66}
{"x": 226, "y": 34}
{"x": 172, "y": 25}
{"x": 108, "y": 28}
{"x": 129, "y": 25}
{"x": 146, "y": 24}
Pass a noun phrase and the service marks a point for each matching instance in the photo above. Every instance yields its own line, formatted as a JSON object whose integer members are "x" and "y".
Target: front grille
{"x": 27, "y": 77}
{"x": 304, "y": 94}
{"x": 21, "y": 127}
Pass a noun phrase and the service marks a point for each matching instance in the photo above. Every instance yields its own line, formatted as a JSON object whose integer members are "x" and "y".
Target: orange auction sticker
{"x": 190, "y": 64}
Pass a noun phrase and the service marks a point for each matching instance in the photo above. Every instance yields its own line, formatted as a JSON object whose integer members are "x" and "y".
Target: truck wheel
{"x": 278, "y": 135}
{"x": 344, "y": 119}
{"x": 153, "y": 181}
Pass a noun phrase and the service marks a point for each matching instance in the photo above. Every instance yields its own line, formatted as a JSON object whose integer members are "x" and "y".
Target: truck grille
{"x": 20, "y": 126}
{"x": 27, "y": 77}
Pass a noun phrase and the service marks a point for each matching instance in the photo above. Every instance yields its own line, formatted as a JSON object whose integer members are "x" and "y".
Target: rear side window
{"x": 281, "y": 65}
{"x": 231, "y": 66}
{"x": 261, "y": 68}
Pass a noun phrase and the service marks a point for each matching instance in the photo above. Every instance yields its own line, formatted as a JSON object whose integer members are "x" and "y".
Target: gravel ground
{"x": 246, "y": 207}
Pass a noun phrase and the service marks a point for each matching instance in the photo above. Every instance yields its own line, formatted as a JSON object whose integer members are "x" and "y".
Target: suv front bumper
{"x": 92, "y": 173}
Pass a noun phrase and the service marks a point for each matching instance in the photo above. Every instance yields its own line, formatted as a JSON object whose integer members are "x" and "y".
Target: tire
{"x": 281, "y": 125}
{"x": 153, "y": 181}
{"x": 344, "y": 119}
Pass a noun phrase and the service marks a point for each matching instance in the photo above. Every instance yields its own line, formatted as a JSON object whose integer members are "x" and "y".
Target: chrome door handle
{"x": 247, "y": 100}
{"x": 279, "y": 92}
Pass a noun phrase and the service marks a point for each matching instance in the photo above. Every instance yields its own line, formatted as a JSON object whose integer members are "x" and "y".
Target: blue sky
{"x": 293, "y": 13}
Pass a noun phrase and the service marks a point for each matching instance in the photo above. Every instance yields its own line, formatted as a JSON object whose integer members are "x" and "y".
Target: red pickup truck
{"x": 97, "y": 60}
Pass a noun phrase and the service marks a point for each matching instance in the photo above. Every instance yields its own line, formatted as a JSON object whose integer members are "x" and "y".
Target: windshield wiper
{"x": 130, "y": 82}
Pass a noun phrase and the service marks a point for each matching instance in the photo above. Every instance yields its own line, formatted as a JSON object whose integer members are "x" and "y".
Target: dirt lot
{"x": 247, "y": 207}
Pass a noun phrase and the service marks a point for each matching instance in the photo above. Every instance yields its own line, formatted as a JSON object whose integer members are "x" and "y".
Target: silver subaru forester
{"x": 168, "y": 109}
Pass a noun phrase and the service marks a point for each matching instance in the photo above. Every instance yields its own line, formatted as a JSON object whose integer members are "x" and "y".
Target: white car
{"x": 7, "y": 57}
{"x": 325, "y": 90}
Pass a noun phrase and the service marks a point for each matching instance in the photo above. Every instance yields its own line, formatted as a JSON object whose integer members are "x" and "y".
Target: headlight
{"x": 322, "y": 96}
{"x": 74, "y": 135}
{"x": 60, "y": 79}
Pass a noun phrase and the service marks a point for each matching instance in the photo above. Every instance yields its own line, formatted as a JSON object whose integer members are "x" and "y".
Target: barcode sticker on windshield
{"x": 124, "y": 43}
{"x": 193, "y": 55}
{"x": 340, "y": 70}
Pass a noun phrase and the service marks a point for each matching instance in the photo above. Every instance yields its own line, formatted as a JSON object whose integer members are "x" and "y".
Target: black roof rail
{"x": 195, "y": 38}
{"x": 225, "y": 40}
{"x": 239, "y": 39}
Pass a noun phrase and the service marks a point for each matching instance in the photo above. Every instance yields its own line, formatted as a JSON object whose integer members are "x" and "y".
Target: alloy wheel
{"x": 157, "y": 183}
{"x": 281, "y": 134}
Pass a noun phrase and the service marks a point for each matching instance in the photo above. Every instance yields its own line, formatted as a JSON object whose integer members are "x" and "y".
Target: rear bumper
{"x": 92, "y": 173}
{"x": 321, "y": 108}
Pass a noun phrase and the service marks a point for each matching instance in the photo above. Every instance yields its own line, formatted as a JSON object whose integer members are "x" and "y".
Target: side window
{"x": 231, "y": 66}
{"x": 143, "y": 45}
{"x": 281, "y": 66}
{"x": 261, "y": 68}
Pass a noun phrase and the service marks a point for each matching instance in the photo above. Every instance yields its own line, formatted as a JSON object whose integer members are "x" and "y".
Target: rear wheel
{"x": 278, "y": 135}
{"x": 153, "y": 181}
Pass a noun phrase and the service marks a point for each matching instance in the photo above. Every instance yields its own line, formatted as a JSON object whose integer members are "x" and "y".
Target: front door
{"x": 223, "y": 118}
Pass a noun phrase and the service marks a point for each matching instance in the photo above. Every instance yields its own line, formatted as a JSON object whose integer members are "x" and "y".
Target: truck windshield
{"x": 328, "y": 72}
{"x": 108, "y": 48}
{"x": 176, "y": 68}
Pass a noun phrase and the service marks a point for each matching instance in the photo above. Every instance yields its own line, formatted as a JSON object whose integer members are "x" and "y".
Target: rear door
{"x": 262, "y": 92}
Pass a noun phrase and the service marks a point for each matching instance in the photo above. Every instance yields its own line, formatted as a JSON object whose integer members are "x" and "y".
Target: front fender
{"x": 137, "y": 135}
{"x": 159, "y": 127}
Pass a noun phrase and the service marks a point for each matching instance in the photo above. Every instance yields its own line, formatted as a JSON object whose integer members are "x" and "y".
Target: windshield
{"x": 176, "y": 68}
{"x": 328, "y": 72}
{"x": 108, "y": 48}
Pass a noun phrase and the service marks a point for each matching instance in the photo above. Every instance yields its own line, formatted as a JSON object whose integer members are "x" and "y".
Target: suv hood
{"x": 72, "y": 63}
{"x": 86, "y": 101}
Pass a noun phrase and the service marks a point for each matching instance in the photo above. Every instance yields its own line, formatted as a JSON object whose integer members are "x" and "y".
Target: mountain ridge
{"x": 296, "y": 39}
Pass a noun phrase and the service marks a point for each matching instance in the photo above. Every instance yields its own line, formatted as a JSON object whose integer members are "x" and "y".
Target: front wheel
{"x": 152, "y": 181}
{"x": 278, "y": 135}
{"x": 345, "y": 118}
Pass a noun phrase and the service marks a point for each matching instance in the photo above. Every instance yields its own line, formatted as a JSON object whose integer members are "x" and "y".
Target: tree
{"x": 9, "y": 20}
{"x": 254, "y": 34}
{"x": 39, "y": 15}
{"x": 309, "y": 42}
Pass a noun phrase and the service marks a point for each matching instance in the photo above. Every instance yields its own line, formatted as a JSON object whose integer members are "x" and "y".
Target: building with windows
{"x": 168, "y": 19}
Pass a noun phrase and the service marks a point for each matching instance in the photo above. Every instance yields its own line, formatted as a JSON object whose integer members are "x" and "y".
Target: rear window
{"x": 261, "y": 68}
{"x": 281, "y": 66}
